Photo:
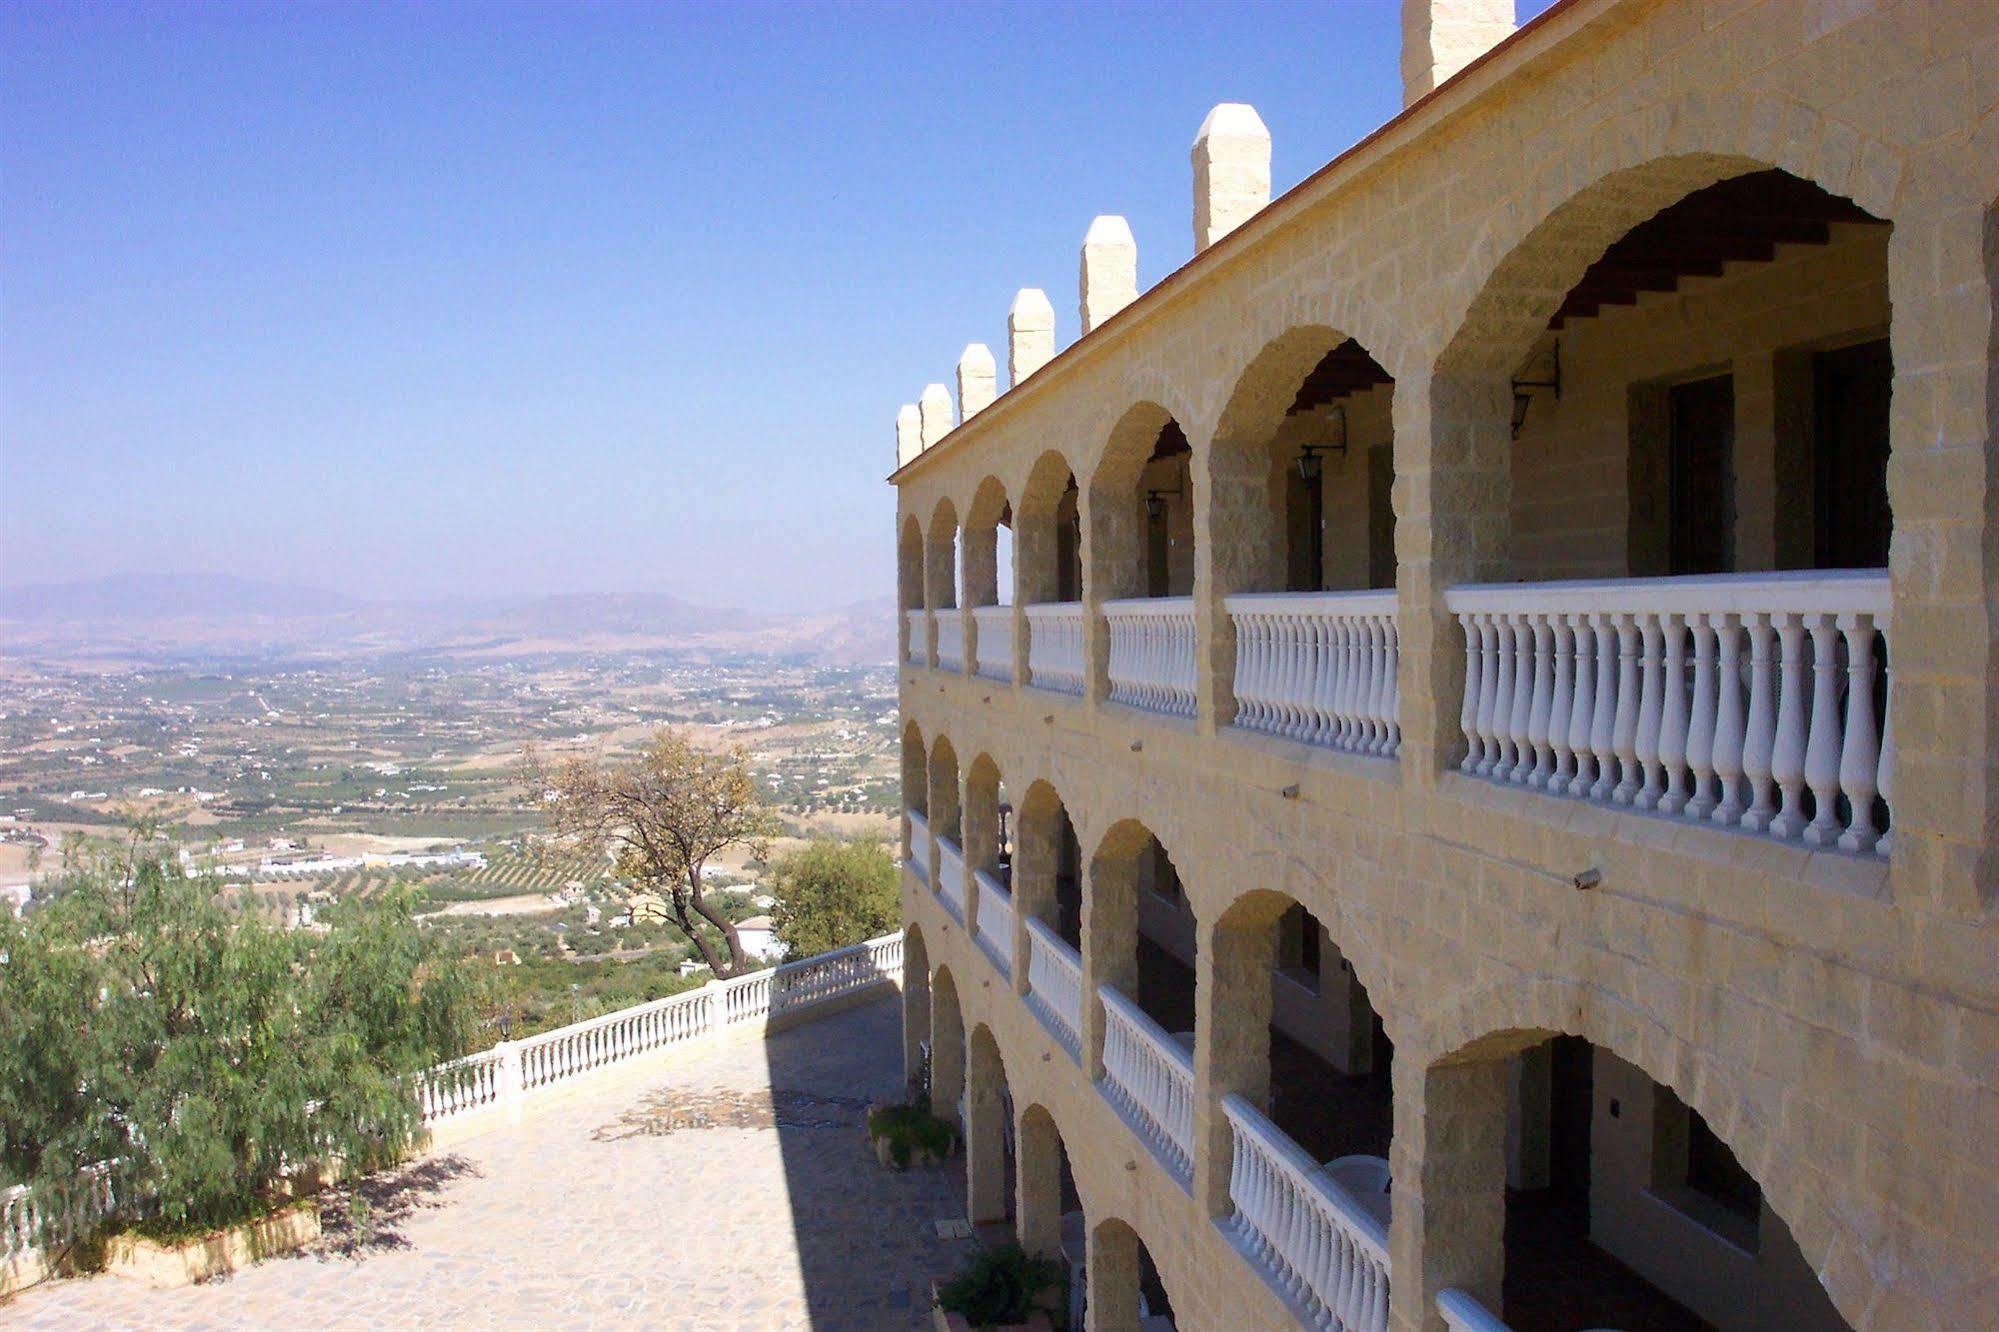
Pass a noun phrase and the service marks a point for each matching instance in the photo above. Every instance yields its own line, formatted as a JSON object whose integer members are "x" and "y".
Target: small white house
{"x": 759, "y": 936}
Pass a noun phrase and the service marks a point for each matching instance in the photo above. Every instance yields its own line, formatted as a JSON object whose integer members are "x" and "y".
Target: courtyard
{"x": 725, "y": 1187}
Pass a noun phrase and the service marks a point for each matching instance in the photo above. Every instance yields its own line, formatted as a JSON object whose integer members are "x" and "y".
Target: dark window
{"x": 1700, "y": 502}
{"x": 1851, "y": 521}
{"x": 1712, "y": 1170}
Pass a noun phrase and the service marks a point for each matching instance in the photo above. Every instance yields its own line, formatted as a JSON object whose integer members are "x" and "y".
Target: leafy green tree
{"x": 831, "y": 894}
{"x": 204, "y": 1051}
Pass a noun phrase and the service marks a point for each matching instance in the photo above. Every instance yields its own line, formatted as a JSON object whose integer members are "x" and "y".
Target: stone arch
{"x": 990, "y": 511}
{"x": 1129, "y": 861}
{"x": 912, "y": 634}
{"x": 1041, "y": 1162}
{"x": 1048, "y": 534}
{"x": 980, "y": 815}
{"x": 988, "y": 1128}
{"x": 1457, "y": 1083}
{"x": 915, "y": 1008}
{"x": 1044, "y": 855}
{"x": 915, "y": 774}
{"x": 1118, "y": 1265}
{"x": 947, "y": 1047}
{"x": 943, "y": 808}
{"x": 940, "y": 558}
{"x": 1117, "y": 547}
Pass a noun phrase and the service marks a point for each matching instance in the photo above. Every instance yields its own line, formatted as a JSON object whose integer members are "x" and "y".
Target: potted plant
{"x": 1001, "y": 1290}
{"x": 908, "y": 1134}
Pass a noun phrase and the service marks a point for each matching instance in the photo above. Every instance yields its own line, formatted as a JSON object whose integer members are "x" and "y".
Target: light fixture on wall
{"x": 1155, "y": 503}
{"x": 1521, "y": 394}
{"x": 1312, "y": 459}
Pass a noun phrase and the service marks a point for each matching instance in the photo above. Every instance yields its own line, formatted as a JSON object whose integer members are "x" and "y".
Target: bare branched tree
{"x": 661, "y": 816}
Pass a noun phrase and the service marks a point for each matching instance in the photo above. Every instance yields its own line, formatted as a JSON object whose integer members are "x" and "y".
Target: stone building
{"x": 1476, "y": 802}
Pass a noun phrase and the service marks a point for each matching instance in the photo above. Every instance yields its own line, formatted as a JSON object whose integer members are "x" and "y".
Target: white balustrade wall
{"x": 951, "y": 876}
{"x": 995, "y": 921}
{"x": 1319, "y": 667}
{"x": 950, "y": 639}
{"x": 1753, "y": 701}
{"x": 1055, "y": 984}
{"x": 1152, "y": 653}
{"x": 992, "y": 646}
{"x": 1150, "y": 1079}
{"x": 919, "y": 844}
{"x": 1055, "y": 646}
{"x": 25, "y": 1227}
{"x": 1325, "y": 1252}
{"x": 919, "y": 638}
{"x": 1462, "y": 1312}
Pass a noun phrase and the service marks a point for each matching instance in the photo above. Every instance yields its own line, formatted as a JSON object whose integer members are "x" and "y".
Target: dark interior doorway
{"x": 1700, "y": 462}
{"x": 1851, "y": 520}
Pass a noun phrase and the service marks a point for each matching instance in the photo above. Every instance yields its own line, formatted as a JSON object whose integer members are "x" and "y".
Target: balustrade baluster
{"x": 1582, "y": 717}
{"x": 1673, "y": 716}
{"x": 1759, "y": 732}
{"x": 1787, "y": 753}
{"x": 1489, "y": 685}
{"x": 1474, "y": 684}
{"x": 1561, "y": 707}
{"x": 1701, "y": 724}
{"x": 1860, "y": 757}
{"x": 1539, "y": 703}
{"x": 1729, "y": 725}
{"x": 1885, "y": 775}
{"x": 1520, "y": 716}
{"x": 1651, "y": 706}
{"x": 1822, "y": 750}
{"x": 1502, "y": 703}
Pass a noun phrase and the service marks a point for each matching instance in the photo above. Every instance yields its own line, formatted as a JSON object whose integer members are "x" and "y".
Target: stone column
{"x": 1232, "y": 1043}
{"x": 1030, "y": 334}
{"x": 1035, "y": 856}
{"x": 915, "y": 1006}
{"x": 1448, "y": 1225}
{"x": 1109, "y": 280}
{"x": 1453, "y": 494}
{"x": 977, "y": 379}
{"x": 1113, "y": 1273}
{"x": 947, "y": 1050}
{"x": 985, "y": 1136}
{"x": 1110, "y": 944}
{"x": 1038, "y": 1183}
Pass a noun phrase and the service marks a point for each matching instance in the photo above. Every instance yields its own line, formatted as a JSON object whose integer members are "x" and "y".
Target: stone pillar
{"x": 1214, "y": 637}
{"x": 1036, "y": 853}
{"x": 1110, "y": 944}
{"x": 947, "y": 1051}
{"x": 1112, "y": 1270}
{"x": 1448, "y": 1226}
{"x": 1232, "y": 965}
{"x": 985, "y": 1136}
{"x": 977, "y": 377}
{"x": 1038, "y": 1183}
{"x": 1441, "y": 37}
{"x": 1453, "y": 488}
{"x": 1110, "y": 270}
{"x": 1030, "y": 334}
{"x": 915, "y": 1008}
{"x": 908, "y": 434}
{"x": 1231, "y": 171}
{"x": 934, "y": 412}
{"x": 944, "y": 809}
{"x": 1943, "y": 564}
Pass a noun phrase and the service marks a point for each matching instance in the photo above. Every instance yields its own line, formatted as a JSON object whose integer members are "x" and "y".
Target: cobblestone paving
{"x": 729, "y": 1188}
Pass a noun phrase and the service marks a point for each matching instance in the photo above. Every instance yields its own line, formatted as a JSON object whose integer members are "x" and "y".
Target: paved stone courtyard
{"x": 728, "y": 1187}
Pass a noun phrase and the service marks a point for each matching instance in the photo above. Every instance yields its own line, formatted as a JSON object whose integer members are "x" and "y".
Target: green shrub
{"x": 910, "y": 1127}
{"x": 999, "y": 1286}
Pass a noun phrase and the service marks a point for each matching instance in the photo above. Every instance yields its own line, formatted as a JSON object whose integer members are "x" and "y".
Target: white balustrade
{"x": 1319, "y": 667}
{"x": 1055, "y": 647}
{"x": 1753, "y": 701}
{"x": 992, "y": 644}
{"x": 463, "y": 1084}
{"x": 26, "y": 1225}
{"x": 1152, "y": 653}
{"x": 1150, "y": 1079}
{"x": 919, "y": 844}
{"x": 950, "y": 639}
{"x": 567, "y": 1051}
{"x": 995, "y": 921}
{"x": 951, "y": 876}
{"x": 1055, "y": 984}
{"x": 919, "y": 637}
{"x": 1462, "y": 1312}
{"x": 1325, "y": 1251}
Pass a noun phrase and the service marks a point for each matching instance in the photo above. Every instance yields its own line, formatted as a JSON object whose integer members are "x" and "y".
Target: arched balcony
{"x": 988, "y": 859}
{"x": 948, "y": 856}
{"x": 989, "y": 582}
{"x": 1046, "y": 881}
{"x": 916, "y": 848}
{"x": 1140, "y": 554}
{"x": 1048, "y": 560}
{"x": 1674, "y": 596}
{"x": 915, "y": 627}
{"x": 940, "y": 576}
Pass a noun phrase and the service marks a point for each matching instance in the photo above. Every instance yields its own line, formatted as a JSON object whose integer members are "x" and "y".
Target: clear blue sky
{"x": 455, "y": 298}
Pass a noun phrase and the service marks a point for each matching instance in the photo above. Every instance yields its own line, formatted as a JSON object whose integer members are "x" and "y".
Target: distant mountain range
{"x": 180, "y": 617}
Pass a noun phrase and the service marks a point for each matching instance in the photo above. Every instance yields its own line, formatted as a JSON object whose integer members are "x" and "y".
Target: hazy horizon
{"x": 481, "y": 300}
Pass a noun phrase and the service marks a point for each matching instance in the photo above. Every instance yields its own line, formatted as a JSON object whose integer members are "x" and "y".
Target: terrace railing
{"x": 951, "y": 877}
{"x": 1752, "y": 701}
{"x": 1318, "y": 667}
{"x": 919, "y": 638}
{"x": 1150, "y": 1079}
{"x": 1462, "y": 1312}
{"x": 1055, "y": 984}
{"x": 950, "y": 639}
{"x": 995, "y": 921}
{"x": 919, "y": 844}
{"x": 1055, "y": 646}
{"x": 1324, "y": 1251}
{"x": 1152, "y": 653}
{"x": 992, "y": 641}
